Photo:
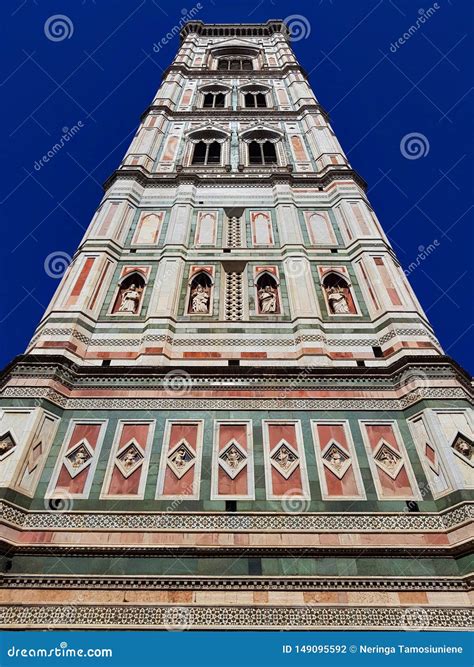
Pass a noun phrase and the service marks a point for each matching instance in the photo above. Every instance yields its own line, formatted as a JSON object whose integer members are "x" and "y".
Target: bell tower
{"x": 235, "y": 402}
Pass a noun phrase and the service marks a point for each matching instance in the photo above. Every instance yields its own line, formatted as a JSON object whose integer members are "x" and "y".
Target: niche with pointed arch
{"x": 199, "y": 300}
{"x": 129, "y": 297}
{"x": 268, "y": 300}
{"x": 337, "y": 291}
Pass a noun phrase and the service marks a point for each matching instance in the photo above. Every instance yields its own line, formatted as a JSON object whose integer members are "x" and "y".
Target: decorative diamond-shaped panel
{"x": 388, "y": 459}
{"x": 181, "y": 458}
{"x": 336, "y": 459}
{"x": 78, "y": 457}
{"x": 129, "y": 458}
{"x": 464, "y": 448}
{"x": 7, "y": 444}
{"x": 233, "y": 458}
{"x": 284, "y": 458}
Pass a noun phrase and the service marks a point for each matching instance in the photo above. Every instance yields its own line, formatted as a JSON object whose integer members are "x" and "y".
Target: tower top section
{"x": 267, "y": 29}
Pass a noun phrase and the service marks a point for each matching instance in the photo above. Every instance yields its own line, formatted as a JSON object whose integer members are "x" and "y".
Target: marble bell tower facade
{"x": 234, "y": 412}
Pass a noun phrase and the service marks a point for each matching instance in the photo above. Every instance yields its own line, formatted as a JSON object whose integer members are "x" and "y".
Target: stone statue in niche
{"x": 267, "y": 299}
{"x": 337, "y": 300}
{"x": 130, "y": 299}
{"x": 200, "y": 299}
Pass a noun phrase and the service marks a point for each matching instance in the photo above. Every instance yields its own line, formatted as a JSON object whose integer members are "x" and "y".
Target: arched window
{"x": 214, "y": 100}
{"x": 338, "y": 295}
{"x": 130, "y": 295}
{"x": 207, "y": 153}
{"x": 262, "y": 152}
{"x": 268, "y": 299}
{"x": 200, "y": 294}
{"x": 207, "y": 145}
{"x": 261, "y": 145}
{"x": 253, "y": 100}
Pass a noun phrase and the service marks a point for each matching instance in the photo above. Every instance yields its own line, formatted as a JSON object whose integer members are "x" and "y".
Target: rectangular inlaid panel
{"x": 128, "y": 463}
{"x": 389, "y": 463}
{"x": 78, "y": 460}
{"x": 337, "y": 463}
{"x": 180, "y": 465}
{"x": 285, "y": 464}
{"x": 232, "y": 461}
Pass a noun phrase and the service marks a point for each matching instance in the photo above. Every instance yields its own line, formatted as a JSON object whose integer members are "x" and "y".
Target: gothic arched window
{"x": 130, "y": 295}
{"x": 207, "y": 153}
{"x": 255, "y": 100}
{"x": 261, "y": 145}
{"x": 262, "y": 152}
{"x": 338, "y": 294}
{"x": 268, "y": 299}
{"x": 200, "y": 289}
{"x": 207, "y": 145}
{"x": 213, "y": 100}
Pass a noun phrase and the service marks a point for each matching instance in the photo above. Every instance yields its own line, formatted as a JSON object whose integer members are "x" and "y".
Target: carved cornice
{"x": 62, "y": 369}
{"x": 237, "y": 114}
{"x": 237, "y": 179}
{"x": 267, "y": 29}
{"x": 243, "y": 583}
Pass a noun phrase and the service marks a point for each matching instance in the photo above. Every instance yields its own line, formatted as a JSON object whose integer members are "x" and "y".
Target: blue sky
{"x": 376, "y": 90}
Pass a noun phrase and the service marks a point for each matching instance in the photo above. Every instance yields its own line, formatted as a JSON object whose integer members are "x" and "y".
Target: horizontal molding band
{"x": 200, "y": 617}
{"x": 238, "y": 522}
{"x": 289, "y": 583}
